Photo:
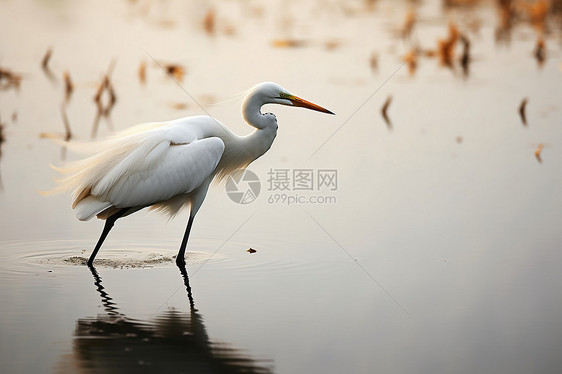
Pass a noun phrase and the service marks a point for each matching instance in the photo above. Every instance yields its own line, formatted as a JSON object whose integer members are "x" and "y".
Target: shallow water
{"x": 437, "y": 251}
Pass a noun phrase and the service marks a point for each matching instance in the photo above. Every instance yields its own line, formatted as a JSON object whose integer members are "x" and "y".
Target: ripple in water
{"x": 24, "y": 257}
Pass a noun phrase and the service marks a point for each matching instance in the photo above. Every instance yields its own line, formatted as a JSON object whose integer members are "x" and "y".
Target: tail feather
{"x": 89, "y": 207}
{"x": 172, "y": 206}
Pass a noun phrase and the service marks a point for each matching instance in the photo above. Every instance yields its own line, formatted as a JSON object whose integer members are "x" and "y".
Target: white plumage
{"x": 169, "y": 165}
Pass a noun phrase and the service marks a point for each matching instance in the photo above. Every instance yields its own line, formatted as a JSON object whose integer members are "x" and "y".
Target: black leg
{"x": 106, "y": 228}
{"x": 180, "y": 259}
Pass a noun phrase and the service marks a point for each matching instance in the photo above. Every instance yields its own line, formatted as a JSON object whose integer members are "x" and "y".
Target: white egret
{"x": 168, "y": 165}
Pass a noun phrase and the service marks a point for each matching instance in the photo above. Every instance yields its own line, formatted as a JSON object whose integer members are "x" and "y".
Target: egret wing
{"x": 145, "y": 165}
{"x": 170, "y": 169}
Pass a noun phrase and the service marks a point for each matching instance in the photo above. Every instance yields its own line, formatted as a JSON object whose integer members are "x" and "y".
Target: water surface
{"x": 437, "y": 251}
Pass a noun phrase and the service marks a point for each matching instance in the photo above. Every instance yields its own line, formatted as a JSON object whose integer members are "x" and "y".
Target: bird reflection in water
{"x": 173, "y": 341}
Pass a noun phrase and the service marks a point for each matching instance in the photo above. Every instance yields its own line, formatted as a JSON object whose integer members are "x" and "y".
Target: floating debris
{"x": 459, "y": 139}
{"x": 100, "y": 90}
{"x": 105, "y": 86}
{"x": 176, "y": 71}
{"x": 45, "y": 65}
{"x": 46, "y": 58}
{"x": 408, "y": 25}
{"x": 112, "y": 99}
{"x": 14, "y": 117}
{"x": 67, "y": 132}
{"x": 374, "y": 61}
{"x": 104, "y": 110}
{"x": 49, "y": 135}
{"x": 2, "y": 136}
{"x": 522, "y": 114}
{"x": 68, "y": 86}
{"x": 465, "y": 58}
{"x": 538, "y": 152}
{"x": 9, "y": 79}
{"x": 142, "y": 72}
{"x": 540, "y": 51}
{"x": 384, "y": 112}
{"x": 446, "y": 47}
{"x": 288, "y": 43}
{"x": 251, "y": 250}
{"x": 411, "y": 58}
{"x": 209, "y": 21}
{"x": 179, "y": 106}
{"x": 332, "y": 44}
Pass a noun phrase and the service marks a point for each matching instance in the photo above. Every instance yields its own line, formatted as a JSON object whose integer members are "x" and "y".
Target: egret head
{"x": 273, "y": 93}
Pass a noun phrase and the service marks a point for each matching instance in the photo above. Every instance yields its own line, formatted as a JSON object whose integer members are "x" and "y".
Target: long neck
{"x": 260, "y": 140}
{"x": 240, "y": 151}
{"x": 251, "y": 111}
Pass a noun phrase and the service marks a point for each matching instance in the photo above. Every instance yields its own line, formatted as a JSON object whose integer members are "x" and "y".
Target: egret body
{"x": 168, "y": 165}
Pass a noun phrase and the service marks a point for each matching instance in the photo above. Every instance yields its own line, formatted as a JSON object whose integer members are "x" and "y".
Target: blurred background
{"x": 437, "y": 251}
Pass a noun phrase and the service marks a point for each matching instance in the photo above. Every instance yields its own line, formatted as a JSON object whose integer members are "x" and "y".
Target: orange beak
{"x": 297, "y": 101}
